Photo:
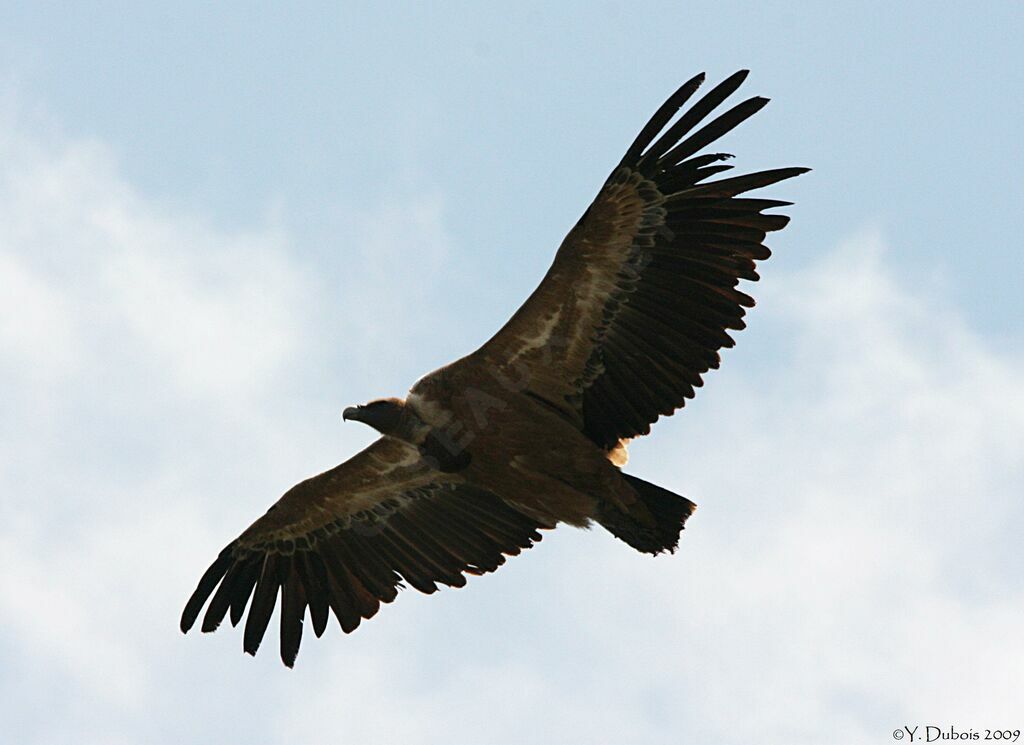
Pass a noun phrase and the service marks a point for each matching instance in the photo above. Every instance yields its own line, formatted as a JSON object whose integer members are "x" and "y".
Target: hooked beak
{"x": 352, "y": 412}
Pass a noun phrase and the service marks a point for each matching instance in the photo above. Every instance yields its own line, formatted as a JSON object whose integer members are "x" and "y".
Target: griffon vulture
{"x": 529, "y": 430}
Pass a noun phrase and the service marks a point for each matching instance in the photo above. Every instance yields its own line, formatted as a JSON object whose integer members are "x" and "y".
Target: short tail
{"x": 653, "y": 527}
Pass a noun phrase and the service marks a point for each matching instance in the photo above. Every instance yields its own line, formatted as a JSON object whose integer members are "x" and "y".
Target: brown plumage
{"x": 528, "y": 431}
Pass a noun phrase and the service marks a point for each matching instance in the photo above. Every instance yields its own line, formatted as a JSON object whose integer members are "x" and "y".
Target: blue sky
{"x": 220, "y": 227}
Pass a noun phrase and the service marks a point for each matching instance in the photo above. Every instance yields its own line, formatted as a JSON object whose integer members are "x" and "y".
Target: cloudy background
{"x": 218, "y": 228}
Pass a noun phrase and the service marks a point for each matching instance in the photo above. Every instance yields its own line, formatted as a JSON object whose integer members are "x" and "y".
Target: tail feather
{"x": 657, "y": 523}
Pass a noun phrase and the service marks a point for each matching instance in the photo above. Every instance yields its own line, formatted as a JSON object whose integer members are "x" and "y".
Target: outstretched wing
{"x": 643, "y": 290}
{"x": 344, "y": 540}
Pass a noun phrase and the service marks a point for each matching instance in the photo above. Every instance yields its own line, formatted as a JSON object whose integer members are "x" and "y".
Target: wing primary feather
{"x": 661, "y": 117}
{"x": 705, "y": 173}
{"x": 699, "y": 161}
{"x": 207, "y": 583}
{"x": 713, "y": 130}
{"x": 263, "y": 600}
{"x": 728, "y": 187}
{"x": 690, "y": 118}
{"x": 243, "y": 589}
{"x": 701, "y": 207}
{"x": 314, "y": 579}
{"x": 754, "y": 220}
{"x": 293, "y": 611}
{"x": 221, "y": 601}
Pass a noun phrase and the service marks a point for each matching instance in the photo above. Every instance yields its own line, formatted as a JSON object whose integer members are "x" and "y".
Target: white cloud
{"x": 218, "y": 318}
{"x": 216, "y": 312}
{"x": 119, "y": 322}
{"x": 853, "y": 565}
{"x": 37, "y": 328}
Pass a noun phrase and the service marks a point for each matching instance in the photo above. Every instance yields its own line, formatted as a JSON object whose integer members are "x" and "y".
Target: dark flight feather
{"x": 263, "y": 601}
{"x": 662, "y": 117}
{"x": 690, "y": 119}
{"x": 642, "y": 296}
{"x": 351, "y": 570}
{"x": 207, "y": 583}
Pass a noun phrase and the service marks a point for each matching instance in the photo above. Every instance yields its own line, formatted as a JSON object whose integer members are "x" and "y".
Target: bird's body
{"x": 529, "y": 430}
{"x": 499, "y": 424}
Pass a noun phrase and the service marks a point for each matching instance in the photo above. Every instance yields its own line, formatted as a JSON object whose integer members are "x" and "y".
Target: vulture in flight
{"x": 529, "y": 430}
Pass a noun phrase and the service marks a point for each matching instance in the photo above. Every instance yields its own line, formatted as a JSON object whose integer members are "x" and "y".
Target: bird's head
{"x": 384, "y": 414}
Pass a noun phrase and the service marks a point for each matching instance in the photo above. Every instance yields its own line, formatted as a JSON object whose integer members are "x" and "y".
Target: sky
{"x": 220, "y": 226}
